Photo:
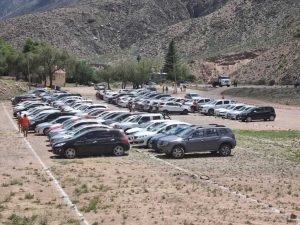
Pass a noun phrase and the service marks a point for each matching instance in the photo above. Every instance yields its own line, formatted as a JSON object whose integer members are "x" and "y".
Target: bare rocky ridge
{"x": 106, "y": 31}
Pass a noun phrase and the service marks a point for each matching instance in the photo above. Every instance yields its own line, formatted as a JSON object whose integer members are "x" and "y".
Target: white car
{"x": 235, "y": 114}
{"x": 223, "y": 110}
{"x": 173, "y": 107}
{"x": 224, "y": 114}
{"x": 144, "y": 127}
{"x": 139, "y": 119}
{"x": 209, "y": 109}
{"x": 142, "y": 138}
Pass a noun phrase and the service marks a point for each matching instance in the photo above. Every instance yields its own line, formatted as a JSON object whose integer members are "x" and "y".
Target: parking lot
{"x": 258, "y": 184}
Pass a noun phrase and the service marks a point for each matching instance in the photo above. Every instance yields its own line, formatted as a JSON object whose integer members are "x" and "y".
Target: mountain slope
{"x": 10, "y": 8}
{"x": 204, "y": 30}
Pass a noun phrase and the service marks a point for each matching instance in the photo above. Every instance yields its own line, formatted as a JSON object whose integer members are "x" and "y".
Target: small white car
{"x": 209, "y": 109}
{"x": 142, "y": 138}
{"x": 173, "y": 107}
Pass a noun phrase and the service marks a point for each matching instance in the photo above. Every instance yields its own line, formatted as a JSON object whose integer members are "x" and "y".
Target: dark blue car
{"x": 154, "y": 140}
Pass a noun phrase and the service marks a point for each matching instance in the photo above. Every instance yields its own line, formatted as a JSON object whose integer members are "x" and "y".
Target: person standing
{"x": 19, "y": 118}
{"x": 25, "y": 125}
{"x": 167, "y": 89}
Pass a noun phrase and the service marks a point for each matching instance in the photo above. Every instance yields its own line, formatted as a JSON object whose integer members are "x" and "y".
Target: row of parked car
{"x": 144, "y": 100}
{"x": 75, "y": 126}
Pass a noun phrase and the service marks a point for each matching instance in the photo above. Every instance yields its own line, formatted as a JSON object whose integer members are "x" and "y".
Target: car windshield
{"x": 145, "y": 125}
{"x": 128, "y": 119}
{"x": 135, "y": 120}
{"x": 194, "y": 95}
{"x": 186, "y": 133}
{"x": 158, "y": 127}
{"x": 177, "y": 130}
{"x": 153, "y": 126}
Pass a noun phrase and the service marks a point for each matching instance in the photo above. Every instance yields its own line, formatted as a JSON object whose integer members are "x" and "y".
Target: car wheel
{"x": 70, "y": 153}
{"x": 178, "y": 152}
{"x": 45, "y": 131}
{"x": 210, "y": 112}
{"x": 225, "y": 150}
{"x": 118, "y": 150}
{"x": 249, "y": 119}
{"x": 185, "y": 112}
{"x": 272, "y": 118}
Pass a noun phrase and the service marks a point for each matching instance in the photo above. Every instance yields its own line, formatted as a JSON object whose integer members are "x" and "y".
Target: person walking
{"x": 167, "y": 89}
{"x": 25, "y": 125}
{"x": 163, "y": 88}
{"x": 19, "y": 120}
{"x": 130, "y": 106}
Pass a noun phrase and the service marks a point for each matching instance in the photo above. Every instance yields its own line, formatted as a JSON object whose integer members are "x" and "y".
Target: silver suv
{"x": 210, "y": 138}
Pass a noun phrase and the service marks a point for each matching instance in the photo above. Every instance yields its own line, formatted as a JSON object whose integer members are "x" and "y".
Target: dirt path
{"x": 138, "y": 188}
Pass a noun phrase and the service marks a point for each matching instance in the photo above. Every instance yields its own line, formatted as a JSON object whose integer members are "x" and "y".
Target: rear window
{"x": 223, "y": 131}
{"x": 156, "y": 117}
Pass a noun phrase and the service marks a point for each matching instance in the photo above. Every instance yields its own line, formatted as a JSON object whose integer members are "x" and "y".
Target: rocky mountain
{"x": 249, "y": 39}
{"x": 11, "y": 8}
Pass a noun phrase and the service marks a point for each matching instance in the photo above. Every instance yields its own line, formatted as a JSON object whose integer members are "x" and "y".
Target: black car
{"x": 258, "y": 113}
{"x": 94, "y": 142}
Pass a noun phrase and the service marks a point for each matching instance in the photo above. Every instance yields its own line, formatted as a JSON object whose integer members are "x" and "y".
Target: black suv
{"x": 210, "y": 138}
{"x": 93, "y": 142}
{"x": 258, "y": 113}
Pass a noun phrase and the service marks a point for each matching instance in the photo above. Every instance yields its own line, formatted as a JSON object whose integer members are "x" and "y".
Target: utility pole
{"x": 174, "y": 71}
{"x": 29, "y": 79}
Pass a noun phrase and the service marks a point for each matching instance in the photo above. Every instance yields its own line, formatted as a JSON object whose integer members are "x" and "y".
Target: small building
{"x": 59, "y": 78}
{"x": 157, "y": 77}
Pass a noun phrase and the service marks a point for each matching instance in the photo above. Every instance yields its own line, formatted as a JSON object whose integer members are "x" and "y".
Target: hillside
{"x": 11, "y": 8}
{"x": 245, "y": 38}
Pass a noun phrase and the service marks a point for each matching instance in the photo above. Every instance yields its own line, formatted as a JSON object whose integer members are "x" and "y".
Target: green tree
{"x": 171, "y": 61}
{"x": 6, "y": 50}
{"x": 51, "y": 59}
{"x": 106, "y": 75}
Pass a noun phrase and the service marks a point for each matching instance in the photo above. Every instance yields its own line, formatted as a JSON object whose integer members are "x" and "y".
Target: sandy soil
{"x": 147, "y": 188}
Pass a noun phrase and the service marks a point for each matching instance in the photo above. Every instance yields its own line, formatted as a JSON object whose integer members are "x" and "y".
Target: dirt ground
{"x": 259, "y": 184}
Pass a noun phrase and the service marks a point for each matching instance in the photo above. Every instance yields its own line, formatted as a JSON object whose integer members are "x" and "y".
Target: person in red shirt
{"x": 25, "y": 125}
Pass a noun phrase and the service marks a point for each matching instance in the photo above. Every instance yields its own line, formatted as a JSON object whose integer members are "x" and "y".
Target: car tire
{"x": 225, "y": 150}
{"x": 210, "y": 112}
{"x": 249, "y": 119}
{"x": 70, "y": 153}
{"x": 178, "y": 152}
{"x": 185, "y": 112}
{"x": 45, "y": 131}
{"x": 272, "y": 118}
{"x": 118, "y": 150}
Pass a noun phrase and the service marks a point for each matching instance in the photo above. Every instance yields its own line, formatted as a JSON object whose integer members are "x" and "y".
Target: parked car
{"x": 44, "y": 127}
{"x": 211, "y": 138}
{"x": 209, "y": 109}
{"x": 175, "y": 131}
{"x": 173, "y": 107}
{"x": 142, "y": 138}
{"x": 192, "y": 96}
{"x": 92, "y": 143}
{"x": 258, "y": 113}
{"x": 139, "y": 119}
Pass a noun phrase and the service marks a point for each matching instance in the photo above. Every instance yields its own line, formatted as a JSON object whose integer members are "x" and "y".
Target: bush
{"x": 271, "y": 83}
{"x": 261, "y": 81}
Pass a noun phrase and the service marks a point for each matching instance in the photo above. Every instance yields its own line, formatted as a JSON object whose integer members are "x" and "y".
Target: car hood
{"x": 44, "y": 125}
{"x": 171, "y": 138}
{"x": 134, "y": 130}
{"x": 144, "y": 133}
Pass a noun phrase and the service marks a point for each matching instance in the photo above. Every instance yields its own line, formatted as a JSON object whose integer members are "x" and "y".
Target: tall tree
{"x": 51, "y": 59}
{"x": 171, "y": 60}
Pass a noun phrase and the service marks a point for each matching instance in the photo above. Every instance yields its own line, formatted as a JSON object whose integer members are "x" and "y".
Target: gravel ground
{"x": 147, "y": 188}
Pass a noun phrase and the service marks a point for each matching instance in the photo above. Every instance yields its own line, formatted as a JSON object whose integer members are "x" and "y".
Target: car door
{"x": 105, "y": 142}
{"x": 211, "y": 139}
{"x": 258, "y": 114}
{"x": 86, "y": 144}
{"x": 195, "y": 142}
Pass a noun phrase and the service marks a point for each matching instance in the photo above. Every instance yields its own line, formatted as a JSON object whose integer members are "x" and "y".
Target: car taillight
{"x": 124, "y": 139}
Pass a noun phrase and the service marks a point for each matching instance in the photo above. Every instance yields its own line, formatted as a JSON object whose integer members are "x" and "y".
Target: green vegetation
{"x": 283, "y": 95}
{"x": 275, "y": 144}
{"x": 268, "y": 134}
{"x": 38, "y": 61}
{"x": 22, "y": 220}
{"x": 173, "y": 67}
{"x": 92, "y": 206}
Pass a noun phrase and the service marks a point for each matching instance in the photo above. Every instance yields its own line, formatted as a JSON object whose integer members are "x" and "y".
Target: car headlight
{"x": 60, "y": 144}
{"x": 163, "y": 143}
